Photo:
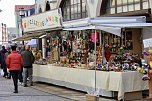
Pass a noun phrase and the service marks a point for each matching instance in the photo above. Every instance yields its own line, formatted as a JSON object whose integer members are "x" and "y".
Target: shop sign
{"x": 147, "y": 43}
{"x": 47, "y": 20}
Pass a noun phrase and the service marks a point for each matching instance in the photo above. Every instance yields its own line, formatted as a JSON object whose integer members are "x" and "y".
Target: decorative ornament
{"x": 145, "y": 77}
{"x": 145, "y": 52}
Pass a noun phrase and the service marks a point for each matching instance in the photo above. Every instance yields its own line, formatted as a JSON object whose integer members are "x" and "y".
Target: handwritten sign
{"x": 147, "y": 43}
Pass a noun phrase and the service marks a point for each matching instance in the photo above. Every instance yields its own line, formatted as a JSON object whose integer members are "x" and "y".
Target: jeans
{"x": 27, "y": 73}
{"x": 14, "y": 74}
{"x": 5, "y": 71}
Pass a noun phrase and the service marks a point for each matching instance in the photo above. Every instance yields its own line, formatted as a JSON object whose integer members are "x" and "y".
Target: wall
{"x": 95, "y": 4}
{"x": 42, "y": 4}
{"x": 147, "y": 32}
{"x": 137, "y": 41}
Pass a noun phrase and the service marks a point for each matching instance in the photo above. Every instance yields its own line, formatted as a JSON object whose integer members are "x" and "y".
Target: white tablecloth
{"x": 110, "y": 81}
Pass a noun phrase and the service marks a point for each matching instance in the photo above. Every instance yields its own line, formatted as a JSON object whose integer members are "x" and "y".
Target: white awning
{"x": 27, "y": 37}
{"x": 113, "y": 30}
{"x": 104, "y": 20}
{"x": 129, "y": 25}
{"x": 109, "y": 24}
{"x": 32, "y": 42}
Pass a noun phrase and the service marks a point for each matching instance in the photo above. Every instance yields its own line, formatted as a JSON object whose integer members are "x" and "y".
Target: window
{"x": 119, "y": 6}
{"x": 47, "y": 6}
{"x": 74, "y": 9}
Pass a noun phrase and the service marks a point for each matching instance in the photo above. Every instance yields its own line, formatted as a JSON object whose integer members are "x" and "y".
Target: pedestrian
{"x": 28, "y": 60}
{"x": 20, "y": 76}
{"x": 6, "y": 54}
{"x": 14, "y": 63}
{"x": 3, "y": 64}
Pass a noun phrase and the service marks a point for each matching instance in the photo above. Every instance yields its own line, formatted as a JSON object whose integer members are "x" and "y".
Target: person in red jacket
{"x": 14, "y": 63}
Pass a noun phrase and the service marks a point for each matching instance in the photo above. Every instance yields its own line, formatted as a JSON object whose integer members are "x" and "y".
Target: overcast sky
{"x": 7, "y": 6}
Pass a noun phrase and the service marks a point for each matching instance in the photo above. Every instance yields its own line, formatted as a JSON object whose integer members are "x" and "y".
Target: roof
{"x": 26, "y": 7}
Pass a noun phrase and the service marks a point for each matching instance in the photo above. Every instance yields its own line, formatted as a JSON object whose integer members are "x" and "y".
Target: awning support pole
{"x": 95, "y": 46}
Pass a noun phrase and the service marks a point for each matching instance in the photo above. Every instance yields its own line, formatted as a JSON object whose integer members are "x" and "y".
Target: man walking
{"x": 28, "y": 60}
{"x": 14, "y": 63}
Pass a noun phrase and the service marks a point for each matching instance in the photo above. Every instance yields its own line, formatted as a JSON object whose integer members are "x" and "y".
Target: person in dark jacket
{"x": 28, "y": 60}
{"x": 3, "y": 64}
{"x": 14, "y": 63}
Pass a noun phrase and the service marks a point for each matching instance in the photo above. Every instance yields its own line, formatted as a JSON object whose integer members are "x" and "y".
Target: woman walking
{"x": 14, "y": 63}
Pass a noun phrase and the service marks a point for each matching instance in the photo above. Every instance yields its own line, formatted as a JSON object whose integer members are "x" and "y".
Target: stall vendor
{"x": 107, "y": 53}
{"x": 37, "y": 54}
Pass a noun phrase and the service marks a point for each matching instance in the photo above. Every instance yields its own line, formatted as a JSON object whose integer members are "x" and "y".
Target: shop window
{"x": 73, "y": 9}
{"x": 40, "y": 10}
{"x": 47, "y": 6}
{"x": 118, "y": 6}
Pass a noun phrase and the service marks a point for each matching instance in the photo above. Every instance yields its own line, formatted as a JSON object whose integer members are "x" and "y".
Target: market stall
{"x": 77, "y": 57}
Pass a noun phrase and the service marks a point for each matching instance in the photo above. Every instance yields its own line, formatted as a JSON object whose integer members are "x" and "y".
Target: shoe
{"x": 25, "y": 85}
{"x": 8, "y": 77}
{"x": 21, "y": 83}
{"x": 15, "y": 91}
{"x": 31, "y": 84}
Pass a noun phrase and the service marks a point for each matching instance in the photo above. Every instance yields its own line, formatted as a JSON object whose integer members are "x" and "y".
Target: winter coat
{"x": 14, "y": 61}
{"x": 28, "y": 58}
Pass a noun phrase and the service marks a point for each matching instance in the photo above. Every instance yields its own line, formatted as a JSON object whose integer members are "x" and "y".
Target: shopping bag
{"x": 2, "y": 73}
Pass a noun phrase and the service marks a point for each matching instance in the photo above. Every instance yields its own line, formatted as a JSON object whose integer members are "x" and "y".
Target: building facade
{"x": 28, "y": 11}
{"x": 96, "y": 8}
{"x": 3, "y": 34}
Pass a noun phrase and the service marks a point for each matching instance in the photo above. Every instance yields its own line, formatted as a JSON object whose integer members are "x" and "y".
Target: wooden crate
{"x": 131, "y": 96}
{"x": 91, "y": 98}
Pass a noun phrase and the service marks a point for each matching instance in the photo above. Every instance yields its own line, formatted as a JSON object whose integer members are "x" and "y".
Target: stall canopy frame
{"x": 27, "y": 37}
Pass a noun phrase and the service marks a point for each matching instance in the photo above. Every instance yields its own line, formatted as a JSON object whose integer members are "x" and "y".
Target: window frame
{"x": 76, "y": 10}
{"x": 125, "y": 4}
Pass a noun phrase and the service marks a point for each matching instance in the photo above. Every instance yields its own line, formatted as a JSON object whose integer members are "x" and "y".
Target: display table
{"x": 82, "y": 79}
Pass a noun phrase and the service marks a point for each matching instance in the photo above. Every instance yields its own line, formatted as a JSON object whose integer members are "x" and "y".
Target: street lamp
{"x": 22, "y": 15}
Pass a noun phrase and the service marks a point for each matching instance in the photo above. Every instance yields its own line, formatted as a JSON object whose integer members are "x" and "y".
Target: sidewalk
{"x": 25, "y": 93}
{"x": 41, "y": 92}
{"x": 65, "y": 92}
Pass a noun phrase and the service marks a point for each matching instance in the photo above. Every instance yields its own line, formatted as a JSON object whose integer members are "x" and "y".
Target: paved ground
{"x": 41, "y": 92}
{"x": 25, "y": 94}
{"x": 65, "y": 92}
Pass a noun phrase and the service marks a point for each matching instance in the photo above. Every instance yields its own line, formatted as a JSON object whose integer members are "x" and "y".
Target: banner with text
{"x": 47, "y": 20}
